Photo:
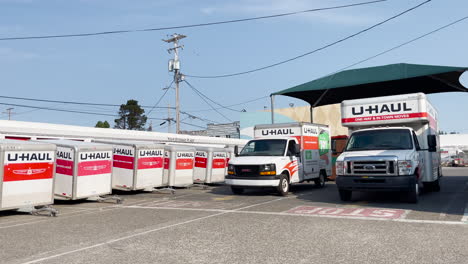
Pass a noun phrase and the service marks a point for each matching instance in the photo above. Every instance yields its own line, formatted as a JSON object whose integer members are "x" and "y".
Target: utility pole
{"x": 174, "y": 65}
{"x": 8, "y": 111}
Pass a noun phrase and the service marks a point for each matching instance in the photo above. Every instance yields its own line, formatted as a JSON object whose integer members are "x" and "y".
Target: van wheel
{"x": 345, "y": 195}
{"x": 413, "y": 193}
{"x": 320, "y": 181}
{"x": 283, "y": 186}
{"x": 237, "y": 190}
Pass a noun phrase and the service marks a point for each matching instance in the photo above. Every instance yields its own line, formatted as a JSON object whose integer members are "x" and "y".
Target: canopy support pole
{"x": 315, "y": 104}
{"x": 272, "y": 97}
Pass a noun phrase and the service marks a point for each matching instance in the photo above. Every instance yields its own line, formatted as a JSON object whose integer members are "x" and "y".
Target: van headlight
{"x": 268, "y": 169}
{"x": 340, "y": 167}
{"x": 231, "y": 169}
{"x": 405, "y": 167}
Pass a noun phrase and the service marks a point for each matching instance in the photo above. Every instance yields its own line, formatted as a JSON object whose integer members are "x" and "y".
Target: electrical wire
{"x": 162, "y": 96}
{"x": 242, "y": 103}
{"x": 187, "y": 26}
{"x": 222, "y": 106}
{"x": 208, "y": 103}
{"x": 401, "y": 45}
{"x": 313, "y": 51}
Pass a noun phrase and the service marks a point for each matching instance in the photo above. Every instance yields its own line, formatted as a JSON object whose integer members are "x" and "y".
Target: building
{"x": 228, "y": 130}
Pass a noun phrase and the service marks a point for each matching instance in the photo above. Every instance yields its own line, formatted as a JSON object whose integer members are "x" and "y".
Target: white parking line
{"x": 147, "y": 232}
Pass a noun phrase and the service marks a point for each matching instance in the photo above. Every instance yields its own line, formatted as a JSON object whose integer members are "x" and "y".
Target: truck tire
{"x": 413, "y": 193}
{"x": 237, "y": 190}
{"x": 345, "y": 195}
{"x": 320, "y": 181}
{"x": 283, "y": 186}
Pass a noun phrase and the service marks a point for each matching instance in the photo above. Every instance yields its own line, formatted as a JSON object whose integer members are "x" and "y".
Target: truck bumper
{"x": 376, "y": 183}
{"x": 260, "y": 181}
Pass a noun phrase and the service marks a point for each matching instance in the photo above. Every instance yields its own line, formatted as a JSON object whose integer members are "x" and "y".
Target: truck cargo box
{"x": 178, "y": 165}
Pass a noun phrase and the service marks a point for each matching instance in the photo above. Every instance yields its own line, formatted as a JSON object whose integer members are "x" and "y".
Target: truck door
{"x": 295, "y": 162}
{"x": 420, "y": 156}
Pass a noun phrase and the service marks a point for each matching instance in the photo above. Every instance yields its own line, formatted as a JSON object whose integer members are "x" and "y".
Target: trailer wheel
{"x": 320, "y": 181}
{"x": 345, "y": 195}
{"x": 237, "y": 190}
{"x": 283, "y": 186}
{"x": 413, "y": 193}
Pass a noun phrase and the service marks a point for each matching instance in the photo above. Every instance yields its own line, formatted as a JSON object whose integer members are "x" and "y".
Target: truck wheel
{"x": 413, "y": 194}
{"x": 320, "y": 181}
{"x": 345, "y": 195}
{"x": 283, "y": 186}
{"x": 237, "y": 190}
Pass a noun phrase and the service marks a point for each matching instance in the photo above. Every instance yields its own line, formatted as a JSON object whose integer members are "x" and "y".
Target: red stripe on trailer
{"x": 167, "y": 161}
{"x": 219, "y": 163}
{"x": 184, "y": 164}
{"x": 310, "y": 142}
{"x": 150, "y": 163}
{"x": 200, "y": 162}
{"x": 64, "y": 167}
{"x": 87, "y": 168}
{"x": 384, "y": 117}
{"x": 124, "y": 162}
{"x": 27, "y": 171}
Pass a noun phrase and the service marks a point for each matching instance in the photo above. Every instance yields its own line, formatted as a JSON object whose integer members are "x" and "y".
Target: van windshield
{"x": 268, "y": 147}
{"x": 383, "y": 139}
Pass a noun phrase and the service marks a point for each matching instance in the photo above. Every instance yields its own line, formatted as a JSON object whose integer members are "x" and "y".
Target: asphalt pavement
{"x": 212, "y": 225}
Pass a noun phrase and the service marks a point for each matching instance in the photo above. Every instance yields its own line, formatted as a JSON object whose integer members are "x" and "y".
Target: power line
{"x": 208, "y": 103}
{"x": 401, "y": 45}
{"x": 198, "y": 91}
{"x": 313, "y": 51}
{"x": 242, "y": 103}
{"x": 162, "y": 96}
{"x": 187, "y": 26}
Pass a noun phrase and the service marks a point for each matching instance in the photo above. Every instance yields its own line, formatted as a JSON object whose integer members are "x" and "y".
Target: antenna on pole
{"x": 174, "y": 65}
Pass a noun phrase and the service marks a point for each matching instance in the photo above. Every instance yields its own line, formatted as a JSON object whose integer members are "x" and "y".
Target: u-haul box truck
{"x": 392, "y": 146}
{"x": 282, "y": 154}
{"x": 27, "y": 174}
{"x": 83, "y": 170}
{"x": 136, "y": 165}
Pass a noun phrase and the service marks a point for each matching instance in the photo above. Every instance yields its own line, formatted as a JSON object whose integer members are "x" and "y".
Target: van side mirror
{"x": 297, "y": 150}
{"x": 236, "y": 151}
{"x": 432, "y": 143}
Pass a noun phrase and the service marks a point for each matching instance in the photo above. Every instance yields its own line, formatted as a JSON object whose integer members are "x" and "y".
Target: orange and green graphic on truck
{"x": 324, "y": 145}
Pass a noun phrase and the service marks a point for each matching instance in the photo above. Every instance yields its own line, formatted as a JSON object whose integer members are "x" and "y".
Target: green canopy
{"x": 384, "y": 80}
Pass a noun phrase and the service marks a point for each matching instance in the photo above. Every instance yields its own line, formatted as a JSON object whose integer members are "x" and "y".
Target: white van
{"x": 392, "y": 146}
{"x": 282, "y": 154}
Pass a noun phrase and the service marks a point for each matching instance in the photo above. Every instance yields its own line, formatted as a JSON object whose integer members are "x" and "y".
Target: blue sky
{"x": 114, "y": 68}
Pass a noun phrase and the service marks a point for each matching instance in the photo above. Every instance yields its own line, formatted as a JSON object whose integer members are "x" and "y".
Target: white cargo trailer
{"x": 178, "y": 165}
{"x": 83, "y": 170}
{"x": 136, "y": 165}
{"x": 210, "y": 165}
{"x": 27, "y": 174}
{"x": 282, "y": 154}
{"x": 393, "y": 146}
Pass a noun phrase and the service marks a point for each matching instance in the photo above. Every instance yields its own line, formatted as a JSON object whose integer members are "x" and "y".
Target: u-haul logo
{"x": 64, "y": 153}
{"x": 151, "y": 153}
{"x": 381, "y": 109}
{"x": 277, "y": 132}
{"x": 309, "y": 130}
{"x": 201, "y": 154}
{"x": 95, "y": 155}
{"x": 123, "y": 151}
{"x": 185, "y": 154}
{"x": 219, "y": 155}
{"x": 21, "y": 157}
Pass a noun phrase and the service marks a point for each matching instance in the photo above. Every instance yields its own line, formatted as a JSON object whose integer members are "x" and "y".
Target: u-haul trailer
{"x": 282, "y": 154}
{"x": 27, "y": 175}
{"x": 392, "y": 146}
{"x": 83, "y": 170}
{"x": 178, "y": 165}
{"x": 136, "y": 165}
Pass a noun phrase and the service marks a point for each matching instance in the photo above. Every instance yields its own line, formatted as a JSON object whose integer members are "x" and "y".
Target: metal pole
{"x": 169, "y": 118}
{"x": 311, "y": 114}
{"x": 9, "y": 113}
{"x": 272, "y": 97}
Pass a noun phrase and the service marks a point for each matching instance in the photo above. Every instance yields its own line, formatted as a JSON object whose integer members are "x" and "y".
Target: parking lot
{"x": 214, "y": 226}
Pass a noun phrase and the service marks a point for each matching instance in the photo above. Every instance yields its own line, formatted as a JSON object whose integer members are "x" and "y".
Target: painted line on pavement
{"x": 147, "y": 232}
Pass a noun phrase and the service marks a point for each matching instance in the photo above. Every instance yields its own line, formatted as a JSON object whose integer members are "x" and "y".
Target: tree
{"x": 131, "y": 116}
{"x": 101, "y": 124}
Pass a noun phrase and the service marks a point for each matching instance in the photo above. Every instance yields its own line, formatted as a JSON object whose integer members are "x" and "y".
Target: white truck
{"x": 393, "y": 146}
{"x": 282, "y": 154}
